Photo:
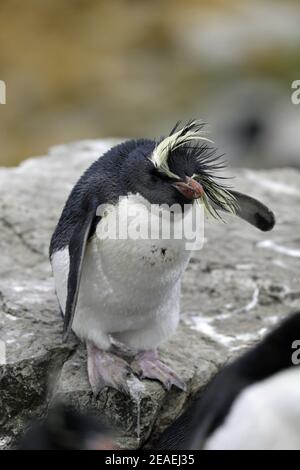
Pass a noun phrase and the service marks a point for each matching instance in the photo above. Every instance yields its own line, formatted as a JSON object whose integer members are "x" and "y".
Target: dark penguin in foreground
{"x": 125, "y": 291}
{"x": 253, "y": 403}
{"x": 67, "y": 429}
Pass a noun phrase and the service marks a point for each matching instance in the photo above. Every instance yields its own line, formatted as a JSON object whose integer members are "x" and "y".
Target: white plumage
{"x": 129, "y": 289}
{"x": 265, "y": 416}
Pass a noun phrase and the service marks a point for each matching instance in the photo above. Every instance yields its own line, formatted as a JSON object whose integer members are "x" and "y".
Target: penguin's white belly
{"x": 265, "y": 416}
{"x": 126, "y": 286}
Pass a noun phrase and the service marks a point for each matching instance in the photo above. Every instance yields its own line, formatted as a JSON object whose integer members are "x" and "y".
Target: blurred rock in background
{"x": 256, "y": 125}
{"x": 97, "y": 68}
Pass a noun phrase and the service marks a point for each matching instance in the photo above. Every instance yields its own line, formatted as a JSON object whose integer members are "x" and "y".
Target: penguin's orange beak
{"x": 190, "y": 188}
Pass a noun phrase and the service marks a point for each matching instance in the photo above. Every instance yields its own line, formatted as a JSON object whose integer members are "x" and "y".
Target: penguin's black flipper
{"x": 249, "y": 209}
{"x": 77, "y": 248}
{"x": 254, "y": 211}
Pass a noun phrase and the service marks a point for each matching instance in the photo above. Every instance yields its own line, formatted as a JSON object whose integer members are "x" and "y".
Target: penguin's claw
{"x": 148, "y": 365}
{"x": 107, "y": 370}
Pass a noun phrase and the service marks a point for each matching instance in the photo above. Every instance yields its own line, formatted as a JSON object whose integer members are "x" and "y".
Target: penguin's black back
{"x": 99, "y": 184}
{"x": 64, "y": 429}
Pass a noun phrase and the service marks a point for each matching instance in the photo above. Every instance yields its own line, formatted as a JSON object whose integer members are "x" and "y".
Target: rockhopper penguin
{"x": 67, "y": 429}
{"x": 116, "y": 292}
{"x": 251, "y": 404}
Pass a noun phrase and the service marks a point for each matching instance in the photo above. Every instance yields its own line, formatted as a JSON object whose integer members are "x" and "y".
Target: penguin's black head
{"x": 179, "y": 169}
{"x": 67, "y": 429}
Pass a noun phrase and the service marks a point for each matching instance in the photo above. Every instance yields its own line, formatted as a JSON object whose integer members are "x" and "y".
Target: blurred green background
{"x": 90, "y": 69}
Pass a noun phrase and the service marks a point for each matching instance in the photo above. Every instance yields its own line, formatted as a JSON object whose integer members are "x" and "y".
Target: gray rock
{"x": 234, "y": 290}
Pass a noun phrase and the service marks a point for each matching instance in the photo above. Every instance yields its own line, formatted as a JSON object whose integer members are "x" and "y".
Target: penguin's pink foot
{"x": 148, "y": 365}
{"x": 106, "y": 370}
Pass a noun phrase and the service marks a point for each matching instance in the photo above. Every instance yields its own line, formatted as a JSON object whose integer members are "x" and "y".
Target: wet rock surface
{"x": 236, "y": 288}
